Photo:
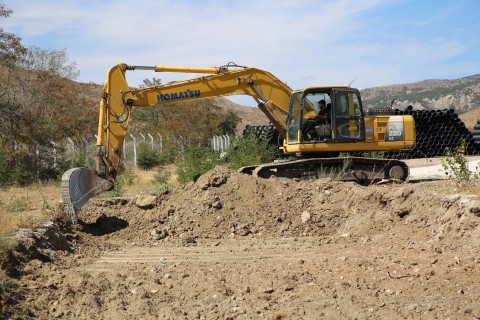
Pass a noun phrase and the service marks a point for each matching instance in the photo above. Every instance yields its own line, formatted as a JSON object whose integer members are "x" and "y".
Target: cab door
{"x": 294, "y": 118}
{"x": 347, "y": 116}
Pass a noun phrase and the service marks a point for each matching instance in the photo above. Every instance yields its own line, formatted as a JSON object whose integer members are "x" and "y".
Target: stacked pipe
{"x": 437, "y": 130}
{"x": 268, "y": 132}
{"x": 476, "y": 132}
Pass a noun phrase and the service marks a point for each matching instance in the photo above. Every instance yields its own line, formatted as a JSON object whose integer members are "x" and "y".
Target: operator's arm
{"x": 324, "y": 114}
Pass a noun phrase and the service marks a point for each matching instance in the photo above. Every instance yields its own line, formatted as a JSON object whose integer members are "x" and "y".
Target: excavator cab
{"x": 345, "y": 121}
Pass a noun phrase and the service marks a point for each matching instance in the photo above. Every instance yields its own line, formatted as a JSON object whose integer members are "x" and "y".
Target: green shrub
{"x": 250, "y": 150}
{"x": 127, "y": 177}
{"x": 5, "y": 174}
{"x": 118, "y": 188}
{"x": 147, "y": 158}
{"x": 24, "y": 165}
{"x": 374, "y": 154}
{"x": 197, "y": 161}
{"x": 169, "y": 154}
{"x": 161, "y": 181}
{"x": 21, "y": 175}
{"x": 118, "y": 185}
{"x": 455, "y": 166}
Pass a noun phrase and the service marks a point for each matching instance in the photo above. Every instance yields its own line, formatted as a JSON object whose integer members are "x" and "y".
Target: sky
{"x": 303, "y": 42}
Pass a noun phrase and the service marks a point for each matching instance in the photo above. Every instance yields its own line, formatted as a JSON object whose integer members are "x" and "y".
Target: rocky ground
{"x": 230, "y": 246}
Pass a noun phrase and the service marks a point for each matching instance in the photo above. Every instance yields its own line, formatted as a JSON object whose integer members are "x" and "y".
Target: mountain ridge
{"x": 462, "y": 94}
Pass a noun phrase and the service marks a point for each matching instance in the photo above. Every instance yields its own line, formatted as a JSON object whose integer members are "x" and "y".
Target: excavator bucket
{"x": 78, "y": 186}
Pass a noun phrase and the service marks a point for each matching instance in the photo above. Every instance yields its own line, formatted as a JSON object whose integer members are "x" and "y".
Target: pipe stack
{"x": 437, "y": 130}
{"x": 268, "y": 132}
{"x": 476, "y": 132}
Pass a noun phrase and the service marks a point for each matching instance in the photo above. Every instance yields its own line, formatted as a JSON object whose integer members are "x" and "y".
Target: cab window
{"x": 293, "y": 120}
{"x": 348, "y": 115}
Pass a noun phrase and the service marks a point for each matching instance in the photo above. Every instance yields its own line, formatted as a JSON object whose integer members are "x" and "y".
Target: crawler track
{"x": 361, "y": 170}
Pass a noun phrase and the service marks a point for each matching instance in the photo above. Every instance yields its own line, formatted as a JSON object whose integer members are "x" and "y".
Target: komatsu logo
{"x": 178, "y": 95}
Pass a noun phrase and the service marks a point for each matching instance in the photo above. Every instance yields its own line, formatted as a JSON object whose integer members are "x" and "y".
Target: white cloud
{"x": 303, "y": 42}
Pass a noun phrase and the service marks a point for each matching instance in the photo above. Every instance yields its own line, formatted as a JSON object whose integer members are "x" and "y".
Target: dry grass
{"x": 31, "y": 206}
{"x": 143, "y": 181}
{"x": 27, "y": 207}
{"x": 142, "y": 184}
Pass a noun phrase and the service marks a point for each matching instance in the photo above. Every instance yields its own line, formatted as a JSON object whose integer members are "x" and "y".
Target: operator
{"x": 322, "y": 127}
{"x": 319, "y": 120}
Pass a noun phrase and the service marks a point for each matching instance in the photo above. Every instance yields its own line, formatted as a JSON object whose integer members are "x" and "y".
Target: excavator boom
{"x": 271, "y": 94}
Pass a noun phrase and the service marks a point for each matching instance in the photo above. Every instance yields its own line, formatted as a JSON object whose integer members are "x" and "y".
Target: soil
{"x": 231, "y": 246}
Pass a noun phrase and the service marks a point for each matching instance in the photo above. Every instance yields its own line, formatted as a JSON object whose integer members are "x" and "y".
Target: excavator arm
{"x": 81, "y": 184}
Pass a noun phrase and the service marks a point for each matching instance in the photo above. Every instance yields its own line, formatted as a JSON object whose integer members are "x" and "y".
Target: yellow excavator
{"x": 347, "y": 127}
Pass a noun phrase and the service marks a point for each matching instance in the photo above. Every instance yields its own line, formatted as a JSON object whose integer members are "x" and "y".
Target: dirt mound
{"x": 231, "y": 246}
{"x": 42, "y": 245}
{"x": 224, "y": 205}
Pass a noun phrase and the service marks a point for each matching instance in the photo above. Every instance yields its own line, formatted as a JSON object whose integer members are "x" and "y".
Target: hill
{"x": 470, "y": 118}
{"x": 462, "y": 94}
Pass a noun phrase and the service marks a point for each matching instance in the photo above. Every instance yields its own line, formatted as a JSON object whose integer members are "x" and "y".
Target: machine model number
{"x": 394, "y": 131}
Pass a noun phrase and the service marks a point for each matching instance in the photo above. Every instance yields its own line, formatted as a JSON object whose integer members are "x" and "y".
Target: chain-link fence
{"x": 82, "y": 152}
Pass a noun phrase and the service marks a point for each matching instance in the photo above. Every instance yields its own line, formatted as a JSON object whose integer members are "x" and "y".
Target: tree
{"x": 190, "y": 123}
{"x": 230, "y": 123}
{"x": 40, "y": 104}
{"x": 10, "y": 44}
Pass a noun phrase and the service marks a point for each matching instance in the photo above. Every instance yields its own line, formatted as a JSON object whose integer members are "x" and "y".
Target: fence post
{"x": 37, "y": 160}
{"x": 142, "y": 137}
{"x": 219, "y": 143}
{"x": 151, "y": 139}
{"x": 73, "y": 150}
{"x": 224, "y": 143}
{"x": 134, "y": 149}
{"x": 161, "y": 142}
{"x": 182, "y": 147}
{"x": 215, "y": 143}
{"x": 54, "y": 154}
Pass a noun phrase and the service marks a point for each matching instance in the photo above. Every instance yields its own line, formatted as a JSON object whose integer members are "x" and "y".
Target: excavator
{"x": 348, "y": 128}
